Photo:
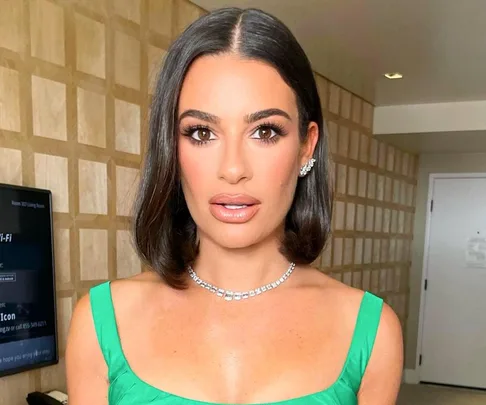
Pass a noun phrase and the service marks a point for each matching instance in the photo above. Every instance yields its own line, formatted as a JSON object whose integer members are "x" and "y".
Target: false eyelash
{"x": 277, "y": 128}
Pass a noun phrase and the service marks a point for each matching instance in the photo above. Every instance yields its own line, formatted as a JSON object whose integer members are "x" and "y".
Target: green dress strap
{"x": 103, "y": 313}
{"x": 363, "y": 339}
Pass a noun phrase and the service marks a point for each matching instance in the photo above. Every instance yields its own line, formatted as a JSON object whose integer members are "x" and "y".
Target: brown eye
{"x": 203, "y": 134}
{"x": 264, "y": 133}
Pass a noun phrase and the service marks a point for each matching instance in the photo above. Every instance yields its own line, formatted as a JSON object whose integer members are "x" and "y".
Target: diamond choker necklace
{"x": 240, "y": 295}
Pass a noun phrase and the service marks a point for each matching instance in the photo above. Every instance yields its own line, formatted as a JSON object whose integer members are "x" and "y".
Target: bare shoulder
{"x": 337, "y": 297}
{"x": 382, "y": 378}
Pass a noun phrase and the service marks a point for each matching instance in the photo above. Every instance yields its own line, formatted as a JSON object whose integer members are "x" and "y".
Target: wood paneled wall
{"x": 374, "y": 205}
{"x": 75, "y": 80}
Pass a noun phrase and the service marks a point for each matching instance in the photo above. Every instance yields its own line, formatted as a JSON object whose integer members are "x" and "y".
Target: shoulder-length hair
{"x": 165, "y": 234}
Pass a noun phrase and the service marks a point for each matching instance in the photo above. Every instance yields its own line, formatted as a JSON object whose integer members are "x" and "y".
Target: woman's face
{"x": 239, "y": 149}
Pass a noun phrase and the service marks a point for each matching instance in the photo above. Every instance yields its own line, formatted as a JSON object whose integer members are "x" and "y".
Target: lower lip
{"x": 233, "y": 216}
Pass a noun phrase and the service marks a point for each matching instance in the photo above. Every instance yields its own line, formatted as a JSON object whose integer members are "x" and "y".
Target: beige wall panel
{"x": 49, "y": 108}
{"x": 127, "y": 60}
{"x": 341, "y": 178}
{"x": 352, "y": 180}
{"x": 155, "y": 62}
{"x": 337, "y": 258}
{"x": 345, "y": 104}
{"x": 333, "y": 136}
{"x": 334, "y": 98}
{"x": 64, "y": 313}
{"x": 358, "y": 250}
{"x": 10, "y": 166}
{"x": 90, "y": 46}
{"x": 91, "y": 118}
{"x": 11, "y": 25}
{"x": 354, "y": 145}
{"x": 186, "y": 13}
{"x": 364, "y": 148}
{"x": 92, "y": 187}
{"x": 160, "y": 16}
{"x": 13, "y": 389}
{"x": 367, "y": 116}
{"x": 362, "y": 183}
{"x": 357, "y": 106}
{"x": 127, "y": 262}
{"x": 9, "y": 100}
{"x": 323, "y": 89}
{"x": 348, "y": 251}
{"x": 62, "y": 254}
{"x": 339, "y": 215}
{"x": 93, "y": 244}
{"x": 126, "y": 187}
{"x": 360, "y": 217}
{"x": 350, "y": 216}
{"x": 53, "y": 377}
{"x": 47, "y": 31}
{"x": 373, "y": 152}
{"x": 127, "y": 127}
{"x": 343, "y": 141}
{"x": 129, "y": 9}
{"x": 98, "y": 6}
{"x": 51, "y": 173}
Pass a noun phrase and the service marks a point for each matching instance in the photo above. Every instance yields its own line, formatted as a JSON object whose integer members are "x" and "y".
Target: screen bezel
{"x": 55, "y": 360}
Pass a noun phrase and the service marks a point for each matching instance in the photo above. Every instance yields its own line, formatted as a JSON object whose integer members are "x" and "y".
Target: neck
{"x": 240, "y": 269}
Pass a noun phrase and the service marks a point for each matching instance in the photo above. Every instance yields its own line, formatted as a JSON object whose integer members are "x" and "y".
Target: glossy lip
{"x": 234, "y": 199}
{"x": 233, "y": 216}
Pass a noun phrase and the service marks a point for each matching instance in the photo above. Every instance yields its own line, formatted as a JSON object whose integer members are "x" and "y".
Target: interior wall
{"x": 374, "y": 205}
{"x": 430, "y": 163}
{"x": 74, "y": 88}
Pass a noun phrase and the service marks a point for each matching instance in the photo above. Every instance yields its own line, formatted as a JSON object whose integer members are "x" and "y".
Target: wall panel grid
{"x": 76, "y": 78}
{"x": 374, "y": 202}
{"x": 75, "y": 83}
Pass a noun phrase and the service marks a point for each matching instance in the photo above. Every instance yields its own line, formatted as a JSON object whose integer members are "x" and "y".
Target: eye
{"x": 198, "y": 134}
{"x": 202, "y": 134}
{"x": 265, "y": 133}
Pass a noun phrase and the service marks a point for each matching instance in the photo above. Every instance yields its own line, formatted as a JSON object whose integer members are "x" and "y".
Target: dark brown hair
{"x": 164, "y": 232}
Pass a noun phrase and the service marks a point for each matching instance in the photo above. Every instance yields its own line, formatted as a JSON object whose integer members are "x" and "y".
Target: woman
{"x": 234, "y": 204}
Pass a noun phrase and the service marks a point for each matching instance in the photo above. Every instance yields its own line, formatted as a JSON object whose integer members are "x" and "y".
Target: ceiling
{"x": 439, "y": 142}
{"x": 438, "y": 45}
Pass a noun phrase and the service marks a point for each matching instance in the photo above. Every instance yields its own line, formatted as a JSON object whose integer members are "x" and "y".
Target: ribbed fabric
{"x": 126, "y": 388}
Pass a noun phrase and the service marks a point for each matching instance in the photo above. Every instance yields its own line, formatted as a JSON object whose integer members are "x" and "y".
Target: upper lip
{"x": 234, "y": 199}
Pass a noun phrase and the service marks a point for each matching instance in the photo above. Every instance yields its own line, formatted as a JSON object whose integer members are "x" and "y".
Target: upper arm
{"x": 382, "y": 379}
{"x": 86, "y": 370}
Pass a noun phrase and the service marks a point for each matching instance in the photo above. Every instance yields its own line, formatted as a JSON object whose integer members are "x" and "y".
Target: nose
{"x": 235, "y": 165}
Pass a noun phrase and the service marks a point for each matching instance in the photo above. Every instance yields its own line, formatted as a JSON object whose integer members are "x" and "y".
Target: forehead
{"x": 229, "y": 86}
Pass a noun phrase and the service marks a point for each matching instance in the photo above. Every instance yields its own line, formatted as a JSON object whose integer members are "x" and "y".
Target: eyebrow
{"x": 250, "y": 118}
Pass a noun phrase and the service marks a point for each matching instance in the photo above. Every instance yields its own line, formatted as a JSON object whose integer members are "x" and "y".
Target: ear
{"x": 309, "y": 146}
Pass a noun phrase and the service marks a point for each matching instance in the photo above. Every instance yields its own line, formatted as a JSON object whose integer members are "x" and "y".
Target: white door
{"x": 454, "y": 318}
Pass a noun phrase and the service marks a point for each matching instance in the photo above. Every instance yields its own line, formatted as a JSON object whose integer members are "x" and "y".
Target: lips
{"x": 239, "y": 208}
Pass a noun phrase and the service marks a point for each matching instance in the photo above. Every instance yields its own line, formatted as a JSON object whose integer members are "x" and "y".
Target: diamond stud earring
{"x": 307, "y": 167}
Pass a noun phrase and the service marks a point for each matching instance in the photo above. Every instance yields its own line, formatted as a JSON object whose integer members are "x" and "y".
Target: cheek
{"x": 280, "y": 171}
{"x": 192, "y": 171}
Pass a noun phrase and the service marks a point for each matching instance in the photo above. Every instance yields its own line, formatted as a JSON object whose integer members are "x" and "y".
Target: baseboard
{"x": 411, "y": 376}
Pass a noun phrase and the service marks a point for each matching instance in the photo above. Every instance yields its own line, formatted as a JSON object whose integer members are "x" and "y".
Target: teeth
{"x": 235, "y": 207}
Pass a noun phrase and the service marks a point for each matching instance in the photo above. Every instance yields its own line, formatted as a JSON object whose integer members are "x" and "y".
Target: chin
{"x": 237, "y": 236}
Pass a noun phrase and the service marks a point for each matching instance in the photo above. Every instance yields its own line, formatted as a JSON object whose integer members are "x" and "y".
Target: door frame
{"x": 425, "y": 261}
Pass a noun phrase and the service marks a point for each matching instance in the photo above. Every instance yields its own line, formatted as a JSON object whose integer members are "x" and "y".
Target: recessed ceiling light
{"x": 392, "y": 76}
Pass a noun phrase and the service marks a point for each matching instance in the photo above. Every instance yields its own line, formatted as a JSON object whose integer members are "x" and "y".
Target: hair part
{"x": 165, "y": 235}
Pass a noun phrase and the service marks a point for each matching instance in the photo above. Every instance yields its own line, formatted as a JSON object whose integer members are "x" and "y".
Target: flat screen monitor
{"x": 28, "y": 330}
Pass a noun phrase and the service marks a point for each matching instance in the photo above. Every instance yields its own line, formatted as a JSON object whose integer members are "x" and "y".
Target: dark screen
{"x": 28, "y": 336}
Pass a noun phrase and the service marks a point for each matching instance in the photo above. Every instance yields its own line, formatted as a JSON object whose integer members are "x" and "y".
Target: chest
{"x": 239, "y": 354}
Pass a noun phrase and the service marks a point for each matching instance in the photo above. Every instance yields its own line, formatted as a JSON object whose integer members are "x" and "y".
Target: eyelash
{"x": 277, "y": 128}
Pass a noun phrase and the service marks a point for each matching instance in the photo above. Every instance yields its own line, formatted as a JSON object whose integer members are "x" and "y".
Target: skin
{"x": 287, "y": 343}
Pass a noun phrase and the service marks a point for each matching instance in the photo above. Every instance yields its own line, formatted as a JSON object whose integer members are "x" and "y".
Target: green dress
{"x": 126, "y": 388}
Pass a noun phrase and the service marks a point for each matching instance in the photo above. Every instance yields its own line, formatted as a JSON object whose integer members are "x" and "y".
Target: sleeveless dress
{"x": 126, "y": 388}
